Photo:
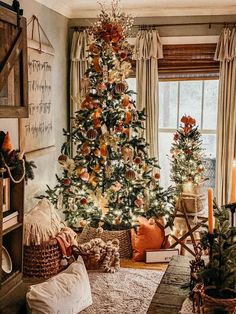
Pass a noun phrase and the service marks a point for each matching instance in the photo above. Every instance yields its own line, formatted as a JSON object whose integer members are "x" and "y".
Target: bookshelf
{"x": 11, "y": 238}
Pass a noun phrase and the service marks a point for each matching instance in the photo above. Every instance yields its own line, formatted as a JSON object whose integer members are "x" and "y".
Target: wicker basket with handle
{"x": 42, "y": 260}
{"x": 211, "y": 304}
{"x": 193, "y": 203}
{"x": 124, "y": 237}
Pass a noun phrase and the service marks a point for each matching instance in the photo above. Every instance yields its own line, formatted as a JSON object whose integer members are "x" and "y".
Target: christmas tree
{"x": 187, "y": 155}
{"x": 111, "y": 180}
{"x": 220, "y": 272}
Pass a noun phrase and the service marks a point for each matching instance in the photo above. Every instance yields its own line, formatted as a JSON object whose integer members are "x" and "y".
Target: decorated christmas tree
{"x": 187, "y": 169}
{"x": 110, "y": 181}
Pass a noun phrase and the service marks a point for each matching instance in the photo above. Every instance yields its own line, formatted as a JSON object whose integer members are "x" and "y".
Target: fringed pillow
{"x": 41, "y": 224}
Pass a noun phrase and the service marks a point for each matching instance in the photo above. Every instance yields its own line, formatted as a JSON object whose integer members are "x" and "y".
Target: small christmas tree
{"x": 187, "y": 155}
{"x": 221, "y": 269}
{"x": 111, "y": 180}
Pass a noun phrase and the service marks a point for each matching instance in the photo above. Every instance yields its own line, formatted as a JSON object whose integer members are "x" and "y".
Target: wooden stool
{"x": 191, "y": 228}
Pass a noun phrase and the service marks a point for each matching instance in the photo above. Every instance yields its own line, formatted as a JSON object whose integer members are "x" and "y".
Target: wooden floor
{"x": 15, "y": 301}
{"x": 128, "y": 263}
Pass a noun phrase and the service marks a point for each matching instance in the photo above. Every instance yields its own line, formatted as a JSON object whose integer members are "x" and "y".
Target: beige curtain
{"x": 226, "y": 127}
{"x": 79, "y": 64}
{"x": 147, "y": 50}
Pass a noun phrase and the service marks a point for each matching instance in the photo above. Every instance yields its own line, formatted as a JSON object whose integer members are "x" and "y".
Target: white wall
{"x": 56, "y": 28}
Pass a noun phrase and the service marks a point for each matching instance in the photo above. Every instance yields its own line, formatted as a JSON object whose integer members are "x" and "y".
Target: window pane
{"x": 168, "y": 98}
{"x": 132, "y": 85}
{"x": 210, "y": 104}
{"x": 191, "y": 99}
{"x": 209, "y": 144}
{"x": 165, "y": 140}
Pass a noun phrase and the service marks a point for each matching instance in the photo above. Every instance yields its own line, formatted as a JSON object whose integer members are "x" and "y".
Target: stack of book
{"x": 10, "y": 218}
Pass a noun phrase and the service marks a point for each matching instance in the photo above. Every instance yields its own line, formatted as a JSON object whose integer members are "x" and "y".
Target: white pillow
{"x": 66, "y": 293}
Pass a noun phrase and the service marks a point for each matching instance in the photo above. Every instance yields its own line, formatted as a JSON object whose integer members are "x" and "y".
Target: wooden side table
{"x": 191, "y": 228}
{"x": 170, "y": 294}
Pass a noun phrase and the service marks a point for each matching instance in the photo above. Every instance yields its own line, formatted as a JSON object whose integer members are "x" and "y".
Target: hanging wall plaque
{"x": 37, "y": 131}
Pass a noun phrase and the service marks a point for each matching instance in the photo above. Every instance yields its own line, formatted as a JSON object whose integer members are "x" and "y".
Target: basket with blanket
{"x": 49, "y": 246}
{"x": 47, "y": 243}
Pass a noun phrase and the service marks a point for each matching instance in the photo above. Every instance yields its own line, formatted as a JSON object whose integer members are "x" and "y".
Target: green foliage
{"x": 14, "y": 160}
{"x": 221, "y": 269}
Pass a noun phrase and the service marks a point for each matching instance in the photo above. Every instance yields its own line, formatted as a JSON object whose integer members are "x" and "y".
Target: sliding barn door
{"x": 13, "y": 65}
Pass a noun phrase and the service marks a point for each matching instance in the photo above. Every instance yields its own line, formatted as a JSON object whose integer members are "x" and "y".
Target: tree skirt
{"x": 125, "y": 292}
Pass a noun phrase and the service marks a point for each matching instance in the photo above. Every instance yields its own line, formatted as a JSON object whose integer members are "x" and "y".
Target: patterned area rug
{"x": 125, "y": 292}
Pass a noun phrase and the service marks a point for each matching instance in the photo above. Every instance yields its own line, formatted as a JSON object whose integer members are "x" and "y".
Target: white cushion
{"x": 66, "y": 293}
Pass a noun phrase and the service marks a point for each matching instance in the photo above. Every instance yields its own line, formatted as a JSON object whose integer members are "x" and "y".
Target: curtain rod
{"x": 144, "y": 26}
{"x": 79, "y": 28}
{"x": 185, "y": 24}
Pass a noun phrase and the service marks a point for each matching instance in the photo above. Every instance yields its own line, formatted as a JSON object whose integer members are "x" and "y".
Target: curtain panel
{"x": 78, "y": 66}
{"x": 226, "y": 127}
{"x": 147, "y": 51}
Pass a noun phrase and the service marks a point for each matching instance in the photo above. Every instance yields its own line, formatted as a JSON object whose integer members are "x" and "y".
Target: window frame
{"x": 201, "y": 129}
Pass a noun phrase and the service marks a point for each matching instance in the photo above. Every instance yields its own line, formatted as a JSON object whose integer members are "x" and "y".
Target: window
{"x": 197, "y": 98}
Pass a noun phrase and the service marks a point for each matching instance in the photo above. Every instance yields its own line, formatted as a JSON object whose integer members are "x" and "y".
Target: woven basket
{"x": 124, "y": 237}
{"x": 42, "y": 260}
{"x": 211, "y": 304}
{"x": 193, "y": 203}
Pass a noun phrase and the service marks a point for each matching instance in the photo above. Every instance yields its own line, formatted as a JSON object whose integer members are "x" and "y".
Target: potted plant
{"x": 219, "y": 275}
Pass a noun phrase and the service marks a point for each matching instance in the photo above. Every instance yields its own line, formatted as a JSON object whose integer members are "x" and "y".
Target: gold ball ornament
{"x": 94, "y": 49}
{"x": 121, "y": 87}
{"x": 91, "y": 134}
{"x": 62, "y": 159}
{"x": 130, "y": 175}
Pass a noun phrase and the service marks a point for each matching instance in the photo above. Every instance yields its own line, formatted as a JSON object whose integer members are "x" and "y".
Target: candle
{"x": 233, "y": 190}
{"x": 210, "y": 210}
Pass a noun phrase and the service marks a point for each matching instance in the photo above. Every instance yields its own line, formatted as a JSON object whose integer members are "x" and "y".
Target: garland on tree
{"x": 111, "y": 180}
{"x": 187, "y": 154}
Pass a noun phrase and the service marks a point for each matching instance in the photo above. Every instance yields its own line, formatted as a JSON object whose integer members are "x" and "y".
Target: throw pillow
{"x": 41, "y": 223}
{"x": 148, "y": 236}
{"x": 67, "y": 293}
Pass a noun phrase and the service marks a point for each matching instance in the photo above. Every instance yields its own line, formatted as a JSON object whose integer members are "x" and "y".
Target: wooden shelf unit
{"x": 12, "y": 237}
